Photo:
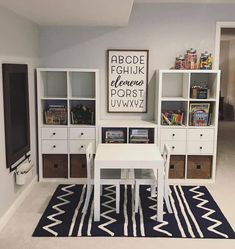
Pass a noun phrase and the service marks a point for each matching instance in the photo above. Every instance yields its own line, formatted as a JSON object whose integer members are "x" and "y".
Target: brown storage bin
{"x": 199, "y": 167}
{"x": 177, "y": 167}
{"x": 78, "y": 166}
{"x": 55, "y": 166}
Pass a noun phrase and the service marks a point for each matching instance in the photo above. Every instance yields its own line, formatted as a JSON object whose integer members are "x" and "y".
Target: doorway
{"x": 225, "y": 59}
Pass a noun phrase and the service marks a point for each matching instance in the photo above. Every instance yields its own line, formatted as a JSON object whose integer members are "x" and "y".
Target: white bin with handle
{"x": 22, "y": 171}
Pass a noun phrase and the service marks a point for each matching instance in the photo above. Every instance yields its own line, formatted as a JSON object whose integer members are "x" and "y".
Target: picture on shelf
{"x": 200, "y": 114}
{"x": 172, "y": 117}
{"x": 82, "y": 114}
{"x": 56, "y": 114}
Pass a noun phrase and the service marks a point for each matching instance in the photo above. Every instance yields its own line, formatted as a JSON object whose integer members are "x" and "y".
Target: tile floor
{"x": 17, "y": 233}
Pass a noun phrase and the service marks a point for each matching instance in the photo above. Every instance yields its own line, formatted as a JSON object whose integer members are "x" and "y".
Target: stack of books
{"x": 114, "y": 136}
{"x": 200, "y": 114}
{"x": 56, "y": 114}
{"x": 139, "y": 136}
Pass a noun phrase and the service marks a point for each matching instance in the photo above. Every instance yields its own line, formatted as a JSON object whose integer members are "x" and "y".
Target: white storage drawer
{"x": 173, "y": 134}
{"x": 200, "y": 147}
{"x": 176, "y": 147}
{"x": 54, "y": 133}
{"x": 82, "y": 133}
{"x": 201, "y": 134}
{"x": 79, "y": 146}
{"x": 54, "y": 147}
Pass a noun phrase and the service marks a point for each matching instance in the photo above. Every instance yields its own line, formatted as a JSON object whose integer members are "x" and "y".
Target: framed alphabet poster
{"x": 127, "y": 80}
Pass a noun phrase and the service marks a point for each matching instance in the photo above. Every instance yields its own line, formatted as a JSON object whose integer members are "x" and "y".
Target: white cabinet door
{"x": 173, "y": 134}
{"x": 201, "y": 134}
{"x": 82, "y": 133}
{"x": 54, "y": 133}
{"x": 54, "y": 147}
{"x": 79, "y": 146}
{"x": 176, "y": 147}
{"x": 200, "y": 147}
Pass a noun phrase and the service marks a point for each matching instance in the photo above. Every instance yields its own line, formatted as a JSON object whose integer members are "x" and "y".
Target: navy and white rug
{"x": 196, "y": 215}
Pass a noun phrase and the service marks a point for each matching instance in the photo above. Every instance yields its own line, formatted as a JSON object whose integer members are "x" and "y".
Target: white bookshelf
{"x": 195, "y": 143}
{"x": 71, "y": 88}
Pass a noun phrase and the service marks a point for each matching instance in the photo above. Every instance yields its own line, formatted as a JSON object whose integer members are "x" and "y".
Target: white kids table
{"x": 129, "y": 156}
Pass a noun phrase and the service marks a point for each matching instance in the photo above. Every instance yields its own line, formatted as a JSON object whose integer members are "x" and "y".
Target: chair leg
{"x": 118, "y": 198}
{"x": 88, "y": 195}
{"x": 153, "y": 190}
{"x": 167, "y": 200}
{"x": 137, "y": 189}
{"x": 101, "y": 190}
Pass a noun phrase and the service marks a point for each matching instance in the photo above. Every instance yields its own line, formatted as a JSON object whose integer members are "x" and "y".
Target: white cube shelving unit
{"x": 197, "y": 144}
{"x": 60, "y": 144}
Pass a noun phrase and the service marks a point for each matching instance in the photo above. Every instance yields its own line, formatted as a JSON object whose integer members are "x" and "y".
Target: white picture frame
{"x": 127, "y": 81}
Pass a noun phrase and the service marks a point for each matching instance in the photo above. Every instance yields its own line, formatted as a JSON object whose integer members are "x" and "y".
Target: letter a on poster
{"x": 127, "y": 80}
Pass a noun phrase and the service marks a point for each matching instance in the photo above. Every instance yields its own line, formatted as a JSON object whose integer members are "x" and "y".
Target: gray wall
{"x": 166, "y": 30}
{"x": 18, "y": 44}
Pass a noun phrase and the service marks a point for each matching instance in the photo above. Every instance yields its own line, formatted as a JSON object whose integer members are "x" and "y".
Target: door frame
{"x": 219, "y": 26}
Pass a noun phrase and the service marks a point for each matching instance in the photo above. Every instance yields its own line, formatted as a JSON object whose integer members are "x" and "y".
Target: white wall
{"x": 18, "y": 44}
{"x": 167, "y": 30}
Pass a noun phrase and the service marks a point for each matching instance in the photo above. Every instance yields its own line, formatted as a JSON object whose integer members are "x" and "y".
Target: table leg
{"x": 160, "y": 191}
{"x": 96, "y": 193}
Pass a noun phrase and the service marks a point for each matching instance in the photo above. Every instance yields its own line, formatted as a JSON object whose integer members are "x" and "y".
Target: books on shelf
{"x": 114, "y": 136}
{"x": 200, "y": 114}
{"x": 56, "y": 114}
{"x": 139, "y": 136}
{"x": 172, "y": 117}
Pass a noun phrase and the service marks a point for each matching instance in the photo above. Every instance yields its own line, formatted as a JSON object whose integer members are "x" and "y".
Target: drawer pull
{"x": 200, "y": 147}
{"x": 54, "y": 146}
{"x": 172, "y": 166}
{"x": 198, "y": 166}
{"x": 82, "y": 134}
{"x": 56, "y": 166}
{"x": 53, "y": 133}
{"x": 173, "y": 147}
{"x": 173, "y": 135}
{"x": 201, "y": 135}
{"x": 82, "y": 146}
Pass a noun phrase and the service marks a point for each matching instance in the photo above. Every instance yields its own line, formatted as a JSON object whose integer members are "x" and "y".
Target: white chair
{"x": 108, "y": 177}
{"x": 146, "y": 177}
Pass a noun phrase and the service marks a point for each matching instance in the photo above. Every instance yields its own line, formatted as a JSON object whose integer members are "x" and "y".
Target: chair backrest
{"x": 89, "y": 160}
{"x": 166, "y": 157}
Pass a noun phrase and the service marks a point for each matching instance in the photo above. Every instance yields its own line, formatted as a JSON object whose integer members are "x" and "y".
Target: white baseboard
{"x": 11, "y": 210}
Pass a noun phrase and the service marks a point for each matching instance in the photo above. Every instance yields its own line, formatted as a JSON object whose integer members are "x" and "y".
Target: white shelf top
{"x": 67, "y": 70}
{"x": 127, "y": 123}
{"x": 202, "y": 100}
{"x": 174, "y": 99}
{"x": 187, "y": 71}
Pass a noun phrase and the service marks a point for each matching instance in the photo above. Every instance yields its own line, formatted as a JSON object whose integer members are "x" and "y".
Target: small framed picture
{"x": 127, "y": 80}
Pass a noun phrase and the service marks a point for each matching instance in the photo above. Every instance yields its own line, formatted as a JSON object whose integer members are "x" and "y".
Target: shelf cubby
{"x": 82, "y": 112}
{"x": 206, "y": 79}
{"x": 54, "y": 84}
{"x": 175, "y": 106}
{"x": 82, "y": 84}
{"x": 114, "y": 135}
{"x": 54, "y": 112}
{"x": 175, "y": 85}
{"x": 149, "y": 136}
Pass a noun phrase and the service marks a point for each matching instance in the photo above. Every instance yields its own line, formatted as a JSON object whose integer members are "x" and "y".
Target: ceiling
{"x": 83, "y": 12}
{"x": 186, "y": 1}
{"x": 73, "y": 12}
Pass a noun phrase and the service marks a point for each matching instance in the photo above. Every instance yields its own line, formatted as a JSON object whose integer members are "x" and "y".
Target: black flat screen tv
{"x": 16, "y": 112}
